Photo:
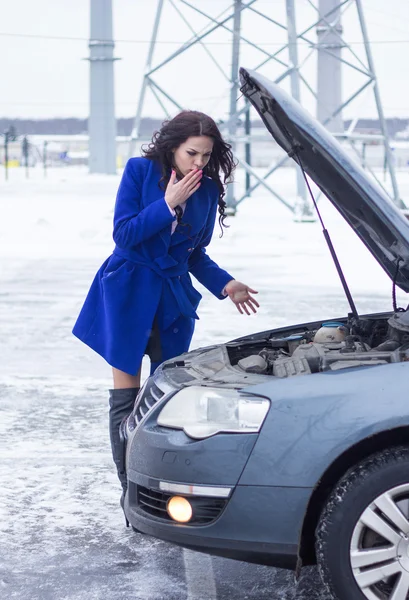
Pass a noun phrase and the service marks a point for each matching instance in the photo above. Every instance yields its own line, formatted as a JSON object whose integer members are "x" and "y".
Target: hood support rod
{"x": 294, "y": 153}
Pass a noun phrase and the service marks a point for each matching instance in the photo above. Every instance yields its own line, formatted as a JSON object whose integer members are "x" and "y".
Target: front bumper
{"x": 256, "y": 524}
{"x": 260, "y": 524}
{"x": 171, "y": 455}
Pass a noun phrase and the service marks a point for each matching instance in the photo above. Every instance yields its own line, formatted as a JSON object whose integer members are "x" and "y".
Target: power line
{"x": 132, "y": 103}
{"x": 384, "y": 13}
{"x": 61, "y": 103}
{"x": 175, "y": 42}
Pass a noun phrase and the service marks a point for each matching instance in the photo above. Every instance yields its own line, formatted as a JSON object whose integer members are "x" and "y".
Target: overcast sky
{"x": 43, "y": 74}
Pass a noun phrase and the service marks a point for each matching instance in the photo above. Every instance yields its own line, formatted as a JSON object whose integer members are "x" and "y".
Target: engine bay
{"x": 336, "y": 345}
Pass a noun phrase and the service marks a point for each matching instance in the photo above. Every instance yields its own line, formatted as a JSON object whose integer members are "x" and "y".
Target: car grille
{"x": 205, "y": 510}
{"x": 151, "y": 394}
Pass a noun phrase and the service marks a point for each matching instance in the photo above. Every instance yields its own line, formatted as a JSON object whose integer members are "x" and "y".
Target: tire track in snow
{"x": 199, "y": 576}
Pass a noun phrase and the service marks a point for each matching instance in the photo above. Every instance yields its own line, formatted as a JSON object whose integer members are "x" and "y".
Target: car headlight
{"x": 203, "y": 412}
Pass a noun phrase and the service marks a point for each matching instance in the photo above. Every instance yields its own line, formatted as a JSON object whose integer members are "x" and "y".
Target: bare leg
{"x": 123, "y": 380}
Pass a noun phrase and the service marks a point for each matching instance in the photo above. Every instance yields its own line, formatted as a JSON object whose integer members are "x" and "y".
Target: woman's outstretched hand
{"x": 239, "y": 294}
{"x": 177, "y": 193}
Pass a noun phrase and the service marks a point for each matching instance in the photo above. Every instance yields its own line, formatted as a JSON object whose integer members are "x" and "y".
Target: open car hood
{"x": 362, "y": 203}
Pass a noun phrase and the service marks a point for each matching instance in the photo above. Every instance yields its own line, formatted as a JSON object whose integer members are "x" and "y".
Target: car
{"x": 290, "y": 447}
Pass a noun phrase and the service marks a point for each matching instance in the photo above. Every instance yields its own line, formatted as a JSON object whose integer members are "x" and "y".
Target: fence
{"x": 72, "y": 150}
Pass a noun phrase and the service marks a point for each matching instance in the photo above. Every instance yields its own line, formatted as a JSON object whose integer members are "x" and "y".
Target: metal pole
{"x": 388, "y": 154}
{"x": 102, "y": 123}
{"x": 329, "y": 76}
{"x": 247, "y": 148}
{"x": 6, "y": 154}
{"x": 25, "y": 152}
{"x": 45, "y": 157}
{"x": 303, "y": 209}
{"x": 230, "y": 200}
{"x": 145, "y": 82}
{"x": 363, "y": 155}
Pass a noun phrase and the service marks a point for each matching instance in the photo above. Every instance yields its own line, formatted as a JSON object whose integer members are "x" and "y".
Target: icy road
{"x": 62, "y": 535}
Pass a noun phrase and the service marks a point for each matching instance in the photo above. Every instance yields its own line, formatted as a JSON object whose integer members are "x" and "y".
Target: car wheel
{"x": 362, "y": 538}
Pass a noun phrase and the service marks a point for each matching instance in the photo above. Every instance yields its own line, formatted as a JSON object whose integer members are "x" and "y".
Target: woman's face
{"x": 194, "y": 153}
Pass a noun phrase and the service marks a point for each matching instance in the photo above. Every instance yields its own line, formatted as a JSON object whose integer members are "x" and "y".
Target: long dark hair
{"x": 191, "y": 123}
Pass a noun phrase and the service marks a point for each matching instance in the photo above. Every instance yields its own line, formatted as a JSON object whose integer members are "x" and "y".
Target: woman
{"x": 142, "y": 300}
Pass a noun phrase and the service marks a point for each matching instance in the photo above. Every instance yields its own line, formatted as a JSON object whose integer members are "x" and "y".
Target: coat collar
{"x": 194, "y": 217}
{"x": 193, "y": 220}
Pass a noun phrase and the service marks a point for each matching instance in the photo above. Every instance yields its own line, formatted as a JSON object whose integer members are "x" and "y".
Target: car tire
{"x": 360, "y": 520}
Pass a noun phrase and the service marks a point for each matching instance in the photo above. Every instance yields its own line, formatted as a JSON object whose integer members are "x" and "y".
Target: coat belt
{"x": 171, "y": 274}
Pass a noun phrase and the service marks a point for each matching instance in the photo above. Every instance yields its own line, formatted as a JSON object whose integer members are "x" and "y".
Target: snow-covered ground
{"x": 61, "y": 532}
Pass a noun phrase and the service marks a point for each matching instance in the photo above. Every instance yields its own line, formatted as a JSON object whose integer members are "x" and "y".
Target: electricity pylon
{"x": 332, "y": 53}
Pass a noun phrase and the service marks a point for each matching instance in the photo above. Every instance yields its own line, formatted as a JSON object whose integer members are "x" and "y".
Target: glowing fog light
{"x": 179, "y": 509}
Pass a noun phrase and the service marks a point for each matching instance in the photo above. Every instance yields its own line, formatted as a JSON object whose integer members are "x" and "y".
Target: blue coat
{"x": 147, "y": 275}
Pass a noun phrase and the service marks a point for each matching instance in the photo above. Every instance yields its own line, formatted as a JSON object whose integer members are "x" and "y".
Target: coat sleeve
{"x": 206, "y": 271}
{"x": 132, "y": 223}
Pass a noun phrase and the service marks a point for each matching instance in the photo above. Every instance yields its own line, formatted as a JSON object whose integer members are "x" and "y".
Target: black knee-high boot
{"x": 121, "y": 403}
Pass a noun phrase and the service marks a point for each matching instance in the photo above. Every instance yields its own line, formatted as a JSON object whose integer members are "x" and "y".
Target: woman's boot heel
{"x": 122, "y": 502}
